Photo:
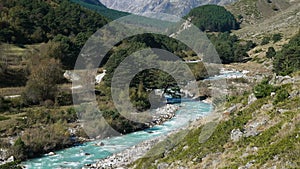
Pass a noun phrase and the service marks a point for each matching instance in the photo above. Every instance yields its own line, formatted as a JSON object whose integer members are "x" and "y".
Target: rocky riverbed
{"x": 163, "y": 114}
{"x": 126, "y": 157}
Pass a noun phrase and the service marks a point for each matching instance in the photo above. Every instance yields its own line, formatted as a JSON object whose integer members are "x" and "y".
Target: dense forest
{"x": 213, "y": 18}
{"x": 24, "y": 21}
{"x": 66, "y": 24}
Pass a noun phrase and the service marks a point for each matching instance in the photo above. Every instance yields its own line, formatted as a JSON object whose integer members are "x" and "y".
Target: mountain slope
{"x": 260, "y": 18}
{"x": 175, "y": 7}
{"x": 255, "y": 11}
{"x": 100, "y": 8}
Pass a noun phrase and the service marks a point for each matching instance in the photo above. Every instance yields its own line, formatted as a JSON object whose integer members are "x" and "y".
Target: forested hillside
{"x": 25, "y": 22}
{"x": 213, "y": 18}
{"x": 38, "y": 40}
{"x": 66, "y": 26}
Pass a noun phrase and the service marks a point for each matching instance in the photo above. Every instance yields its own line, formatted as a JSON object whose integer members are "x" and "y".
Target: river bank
{"x": 89, "y": 153}
{"x": 126, "y": 157}
{"x": 122, "y": 159}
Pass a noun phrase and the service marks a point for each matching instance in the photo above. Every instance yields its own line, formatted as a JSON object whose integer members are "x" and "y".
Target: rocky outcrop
{"x": 253, "y": 128}
{"x": 281, "y": 80}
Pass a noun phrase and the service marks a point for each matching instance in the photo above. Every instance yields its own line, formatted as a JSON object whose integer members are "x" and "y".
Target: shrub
{"x": 48, "y": 103}
{"x": 18, "y": 150}
{"x": 271, "y": 52}
{"x": 11, "y": 165}
{"x": 64, "y": 99}
{"x": 276, "y": 37}
{"x": 42, "y": 83}
{"x": 265, "y": 40}
{"x": 281, "y": 95}
{"x": 52, "y": 137}
{"x": 263, "y": 89}
{"x": 275, "y": 8}
{"x": 2, "y": 118}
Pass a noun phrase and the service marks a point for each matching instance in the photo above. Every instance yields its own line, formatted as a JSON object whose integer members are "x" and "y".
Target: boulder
{"x": 295, "y": 94}
{"x": 185, "y": 148}
{"x": 51, "y": 154}
{"x": 231, "y": 109}
{"x": 267, "y": 107}
{"x": 285, "y": 80}
{"x": 251, "y": 132}
{"x": 162, "y": 166}
{"x": 71, "y": 76}
{"x": 236, "y": 134}
{"x": 10, "y": 159}
{"x": 251, "y": 99}
{"x": 273, "y": 94}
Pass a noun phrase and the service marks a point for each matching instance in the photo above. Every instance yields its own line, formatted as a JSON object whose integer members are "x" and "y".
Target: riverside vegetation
{"x": 40, "y": 39}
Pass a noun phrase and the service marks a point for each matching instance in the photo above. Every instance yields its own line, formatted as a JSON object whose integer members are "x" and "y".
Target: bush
{"x": 64, "y": 99}
{"x": 11, "y": 165}
{"x": 263, "y": 89}
{"x": 18, "y": 150}
{"x": 42, "y": 83}
{"x": 276, "y": 37}
{"x": 271, "y": 52}
{"x": 265, "y": 40}
{"x": 281, "y": 96}
{"x": 48, "y": 103}
{"x": 2, "y": 118}
{"x": 41, "y": 141}
{"x": 230, "y": 48}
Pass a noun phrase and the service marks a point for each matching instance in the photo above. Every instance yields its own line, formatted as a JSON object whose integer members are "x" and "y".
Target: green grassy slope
{"x": 275, "y": 139}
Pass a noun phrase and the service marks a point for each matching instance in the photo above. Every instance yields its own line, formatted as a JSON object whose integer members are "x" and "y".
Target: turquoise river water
{"x": 75, "y": 157}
